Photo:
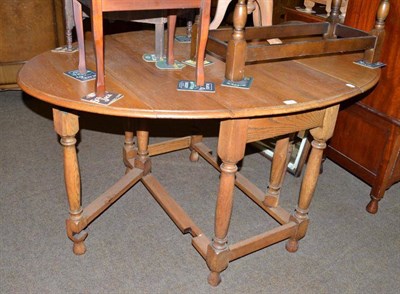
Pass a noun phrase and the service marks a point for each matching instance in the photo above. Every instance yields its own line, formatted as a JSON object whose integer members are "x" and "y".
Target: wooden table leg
{"x": 129, "y": 151}
{"x": 280, "y": 161}
{"x": 309, "y": 183}
{"x": 142, "y": 159}
{"x": 231, "y": 148}
{"x": 67, "y": 126}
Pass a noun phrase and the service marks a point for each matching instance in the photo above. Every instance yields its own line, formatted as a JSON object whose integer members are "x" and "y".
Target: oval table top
{"x": 279, "y": 87}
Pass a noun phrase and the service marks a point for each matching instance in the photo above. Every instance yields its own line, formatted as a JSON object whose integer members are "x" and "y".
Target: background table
{"x": 285, "y": 97}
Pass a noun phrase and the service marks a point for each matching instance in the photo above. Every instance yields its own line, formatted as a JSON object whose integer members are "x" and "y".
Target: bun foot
{"x": 214, "y": 279}
{"x": 372, "y": 206}
{"x": 292, "y": 245}
{"x": 194, "y": 156}
{"x": 79, "y": 248}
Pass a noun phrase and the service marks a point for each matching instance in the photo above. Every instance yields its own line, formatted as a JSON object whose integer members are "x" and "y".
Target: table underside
{"x": 233, "y": 137}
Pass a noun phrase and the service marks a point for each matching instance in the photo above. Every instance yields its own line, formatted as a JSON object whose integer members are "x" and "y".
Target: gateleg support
{"x": 321, "y": 135}
{"x": 280, "y": 160}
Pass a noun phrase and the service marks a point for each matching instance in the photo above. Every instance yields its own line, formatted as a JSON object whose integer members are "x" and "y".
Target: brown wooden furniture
{"x": 261, "y": 10}
{"x": 309, "y": 4}
{"x": 27, "y": 28}
{"x": 98, "y": 7}
{"x": 289, "y": 104}
{"x": 242, "y": 45}
{"x": 371, "y": 150}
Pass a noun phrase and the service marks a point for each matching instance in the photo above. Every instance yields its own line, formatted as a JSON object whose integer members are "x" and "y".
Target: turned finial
{"x": 373, "y": 55}
{"x": 189, "y": 28}
{"x": 240, "y": 17}
{"x": 335, "y": 11}
{"x": 381, "y": 14}
{"x": 333, "y": 19}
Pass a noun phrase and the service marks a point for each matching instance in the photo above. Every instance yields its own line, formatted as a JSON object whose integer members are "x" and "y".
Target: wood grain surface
{"x": 148, "y": 92}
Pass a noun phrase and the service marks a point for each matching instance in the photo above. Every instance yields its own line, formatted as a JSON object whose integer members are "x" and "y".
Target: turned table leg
{"x": 231, "y": 148}
{"x": 67, "y": 126}
{"x": 280, "y": 161}
{"x": 142, "y": 159}
{"x": 309, "y": 183}
{"x": 306, "y": 193}
{"x": 129, "y": 151}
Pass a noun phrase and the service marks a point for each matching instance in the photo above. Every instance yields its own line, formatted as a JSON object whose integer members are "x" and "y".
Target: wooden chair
{"x": 98, "y": 7}
{"x": 152, "y": 17}
{"x": 261, "y": 9}
{"x": 309, "y": 4}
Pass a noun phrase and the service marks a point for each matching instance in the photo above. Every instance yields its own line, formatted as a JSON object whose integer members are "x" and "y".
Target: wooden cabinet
{"x": 27, "y": 28}
{"x": 371, "y": 150}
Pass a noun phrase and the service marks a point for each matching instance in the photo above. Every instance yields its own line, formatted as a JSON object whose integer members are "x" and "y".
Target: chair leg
{"x": 97, "y": 27}
{"x": 262, "y": 15}
{"x": 202, "y": 40}
{"x": 171, "y": 35}
{"x": 222, "y": 6}
{"x": 79, "y": 32}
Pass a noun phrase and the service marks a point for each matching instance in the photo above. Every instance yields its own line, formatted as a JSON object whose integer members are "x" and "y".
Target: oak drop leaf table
{"x": 285, "y": 97}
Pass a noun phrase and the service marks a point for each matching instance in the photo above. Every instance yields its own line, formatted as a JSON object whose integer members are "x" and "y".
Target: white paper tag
{"x": 288, "y": 102}
{"x": 274, "y": 41}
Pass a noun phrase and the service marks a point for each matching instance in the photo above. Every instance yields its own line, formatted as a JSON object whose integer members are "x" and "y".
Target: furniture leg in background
{"x": 261, "y": 9}
{"x": 372, "y": 150}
